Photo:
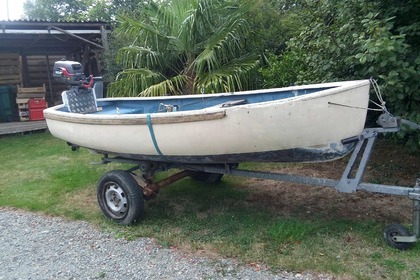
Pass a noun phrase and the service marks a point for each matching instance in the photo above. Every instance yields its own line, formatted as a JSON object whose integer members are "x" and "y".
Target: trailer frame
{"x": 351, "y": 181}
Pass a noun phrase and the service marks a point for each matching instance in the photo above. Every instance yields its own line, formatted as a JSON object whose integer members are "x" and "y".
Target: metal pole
{"x": 7, "y": 9}
{"x": 74, "y": 35}
{"x": 416, "y": 218}
{"x": 47, "y": 58}
{"x": 416, "y": 211}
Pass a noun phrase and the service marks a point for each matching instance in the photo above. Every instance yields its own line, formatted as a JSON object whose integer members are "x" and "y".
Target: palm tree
{"x": 185, "y": 47}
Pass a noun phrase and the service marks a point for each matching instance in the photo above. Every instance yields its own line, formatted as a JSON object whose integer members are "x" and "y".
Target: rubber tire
{"x": 210, "y": 178}
{"x": 397, "y": 230}
{"x": 124, "y": 185}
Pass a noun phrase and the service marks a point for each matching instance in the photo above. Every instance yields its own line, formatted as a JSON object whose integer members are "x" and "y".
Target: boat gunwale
{"x": 329, "y": 87}
{"x": 141, "y": 119}
{"x": 204, "y": 114}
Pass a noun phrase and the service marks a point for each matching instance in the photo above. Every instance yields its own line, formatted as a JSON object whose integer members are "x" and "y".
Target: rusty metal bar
{"x": 152, "y": 188}
{"x": 74, "y": 35}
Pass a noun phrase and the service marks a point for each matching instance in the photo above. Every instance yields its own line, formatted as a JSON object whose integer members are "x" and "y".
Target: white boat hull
{"x": 302, "y": 128}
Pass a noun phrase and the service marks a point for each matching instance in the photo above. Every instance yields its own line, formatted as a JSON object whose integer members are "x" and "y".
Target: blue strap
{"x": 152, "y": 134}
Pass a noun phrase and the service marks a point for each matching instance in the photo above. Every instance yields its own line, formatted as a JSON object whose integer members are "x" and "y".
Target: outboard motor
{"x": 83, "y": 91}
{"x": 69, "y": 72}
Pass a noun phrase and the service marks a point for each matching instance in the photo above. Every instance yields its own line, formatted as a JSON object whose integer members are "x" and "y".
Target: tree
{"x": 108, "y": 10}
{"x": 272, "y": 24}
{"x": 79, "y": 10}
{"x": 185, "y": 47}
{"x": 358, "y": 39}
{"x": 55, "y": 10}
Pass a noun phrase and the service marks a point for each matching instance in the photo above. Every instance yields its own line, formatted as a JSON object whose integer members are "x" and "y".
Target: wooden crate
{"x": 30, "y": 92}
{"x": 23, "y": 108}
{"x": 24, "y": 115}
{"x": 24, "y": 94}
{"x": 10, "y": 66}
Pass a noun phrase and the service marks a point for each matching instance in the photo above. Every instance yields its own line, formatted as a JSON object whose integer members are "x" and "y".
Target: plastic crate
{"x": 36, "y": 109}
{"x": 6, "y": 104}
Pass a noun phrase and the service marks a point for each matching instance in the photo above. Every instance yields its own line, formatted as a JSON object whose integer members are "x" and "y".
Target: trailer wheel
{"x": 211, "y": 178}
{"x": 120, "y": 197}
{"x": 397, "y": 230}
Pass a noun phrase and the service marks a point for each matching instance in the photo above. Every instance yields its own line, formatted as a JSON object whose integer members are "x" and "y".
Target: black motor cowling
{"x": 69, "y": 72}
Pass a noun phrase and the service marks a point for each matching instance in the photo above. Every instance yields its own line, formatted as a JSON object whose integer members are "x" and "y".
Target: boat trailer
{"x": 121, "y": 194}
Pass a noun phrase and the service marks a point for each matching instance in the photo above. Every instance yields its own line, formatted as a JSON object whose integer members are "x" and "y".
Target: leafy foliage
{"x": 272, "y": 24}
{"x": 185, "y": 47}
{"x": 78, "y": 10}
{"x": 342, "y": 40}
{"x": 177, "y": 47}
{"x": 55, "y": 10}
{"x": 107, "y": 10}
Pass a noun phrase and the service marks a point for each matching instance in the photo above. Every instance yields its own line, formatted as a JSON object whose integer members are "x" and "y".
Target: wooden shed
{"x": 28, "y": 50}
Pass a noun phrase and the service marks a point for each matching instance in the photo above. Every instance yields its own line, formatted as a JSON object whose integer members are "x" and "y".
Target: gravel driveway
{"x": 41, "y": 247}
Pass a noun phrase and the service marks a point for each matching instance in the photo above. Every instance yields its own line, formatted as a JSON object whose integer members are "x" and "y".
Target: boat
{"x": 305, "y": 123}
{"x": 207, "y": 136}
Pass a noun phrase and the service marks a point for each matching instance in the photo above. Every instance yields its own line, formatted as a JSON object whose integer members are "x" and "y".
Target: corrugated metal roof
{"x": 51, "y": 21}
{"x": 49, "y": 37}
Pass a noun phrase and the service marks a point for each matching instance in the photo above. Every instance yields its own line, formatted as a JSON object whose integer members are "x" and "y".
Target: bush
{"x": 346, "y": 40}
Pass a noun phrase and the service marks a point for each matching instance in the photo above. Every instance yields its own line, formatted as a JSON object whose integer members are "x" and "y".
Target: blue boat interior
{"x": 152, "y": 105}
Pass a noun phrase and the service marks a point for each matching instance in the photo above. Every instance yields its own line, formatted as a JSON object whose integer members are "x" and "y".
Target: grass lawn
{"x": 259, "y": 223}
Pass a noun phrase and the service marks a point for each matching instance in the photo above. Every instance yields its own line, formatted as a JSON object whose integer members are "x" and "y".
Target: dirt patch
{"x": 389, "y": 164}
{"x": 83, "y": 200}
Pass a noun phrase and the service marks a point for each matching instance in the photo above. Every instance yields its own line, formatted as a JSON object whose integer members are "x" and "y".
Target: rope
{"x": 381, "y": 104}
{"x": 354, "y": 107}
{"x": 152, "y": 135}
{"x": 379, "y": 96}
